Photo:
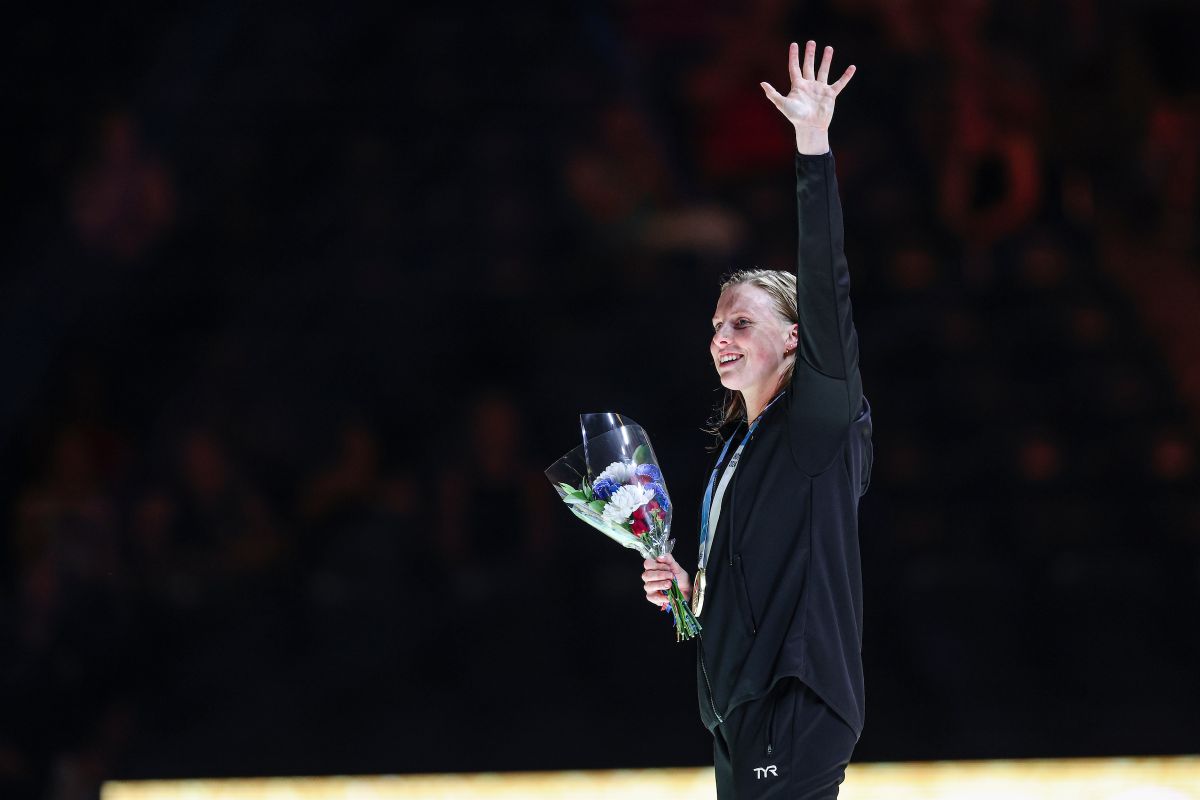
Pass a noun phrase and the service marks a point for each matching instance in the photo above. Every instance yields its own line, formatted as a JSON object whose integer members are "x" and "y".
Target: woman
{"x": 779, "y": 592}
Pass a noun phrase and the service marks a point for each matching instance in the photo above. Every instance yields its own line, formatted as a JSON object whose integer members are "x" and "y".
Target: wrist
{"x": 812, "y": 141}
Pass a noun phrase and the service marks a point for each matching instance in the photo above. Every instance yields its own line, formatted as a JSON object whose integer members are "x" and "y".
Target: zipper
{"x": 704, "y": 669}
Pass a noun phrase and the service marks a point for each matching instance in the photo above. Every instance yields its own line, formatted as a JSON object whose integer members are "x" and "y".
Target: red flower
{"x": 640, "y": 519}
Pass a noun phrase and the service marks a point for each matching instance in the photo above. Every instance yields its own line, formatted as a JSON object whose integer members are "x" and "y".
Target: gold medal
{"x": 698, "y": 593}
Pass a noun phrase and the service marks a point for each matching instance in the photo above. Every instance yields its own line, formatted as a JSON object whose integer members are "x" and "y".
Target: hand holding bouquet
{"x": 626, "y": 499}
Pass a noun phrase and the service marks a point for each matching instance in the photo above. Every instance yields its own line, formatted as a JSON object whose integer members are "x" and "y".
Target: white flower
{"x": 624, "y": 501}
{"x": 620, "y": 472}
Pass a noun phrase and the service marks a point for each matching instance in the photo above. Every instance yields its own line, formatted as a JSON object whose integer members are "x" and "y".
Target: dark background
{"x": 297, "y": 303}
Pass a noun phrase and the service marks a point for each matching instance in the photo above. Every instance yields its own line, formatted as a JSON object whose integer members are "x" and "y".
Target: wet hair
{"x": 781, "y": 286}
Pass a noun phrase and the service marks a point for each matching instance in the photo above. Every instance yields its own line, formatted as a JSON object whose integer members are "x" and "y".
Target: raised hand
{"x": 808, "y": 105}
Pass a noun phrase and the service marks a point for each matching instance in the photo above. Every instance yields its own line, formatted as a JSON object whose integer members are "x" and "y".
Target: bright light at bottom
{"x": 1175, "y": 778}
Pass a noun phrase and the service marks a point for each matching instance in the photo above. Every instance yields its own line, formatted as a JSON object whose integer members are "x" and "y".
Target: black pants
{"x": 787, "y": 744}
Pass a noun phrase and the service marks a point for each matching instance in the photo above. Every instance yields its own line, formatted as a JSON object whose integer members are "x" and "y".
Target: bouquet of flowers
{"x": 626, "y": 499}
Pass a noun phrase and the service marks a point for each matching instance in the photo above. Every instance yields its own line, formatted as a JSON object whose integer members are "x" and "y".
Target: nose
{"x": 721, "y": 335}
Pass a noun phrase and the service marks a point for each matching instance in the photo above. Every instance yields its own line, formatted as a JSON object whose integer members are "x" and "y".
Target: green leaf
{"x": 597, "y": 506}
{"x": 568, "y": 488}
{"x": 641, "y": 455}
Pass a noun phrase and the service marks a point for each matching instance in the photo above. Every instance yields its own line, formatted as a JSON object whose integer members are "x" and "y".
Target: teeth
{"x": 728, "y": 358}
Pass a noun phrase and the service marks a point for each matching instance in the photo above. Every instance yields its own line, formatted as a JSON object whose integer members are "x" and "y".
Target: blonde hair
{"x": 781, "y": 286}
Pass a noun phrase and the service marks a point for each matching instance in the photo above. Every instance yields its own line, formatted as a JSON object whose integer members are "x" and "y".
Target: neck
{"x": 756, "y": 402}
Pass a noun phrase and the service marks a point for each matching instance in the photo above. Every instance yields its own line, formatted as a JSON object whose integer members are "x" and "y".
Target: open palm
{"x": 809, "y": 103}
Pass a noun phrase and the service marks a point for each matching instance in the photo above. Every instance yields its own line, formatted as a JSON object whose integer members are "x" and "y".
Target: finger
{"x": 842, "y": 81}
{"x": 810, "y": 54}
{"x": 826, "y": 60}
{"x": 657, "y": 595}
{"x": 772, "y": 95}
{"x": 794, "y": 63}
{"x": 658, "y": 599}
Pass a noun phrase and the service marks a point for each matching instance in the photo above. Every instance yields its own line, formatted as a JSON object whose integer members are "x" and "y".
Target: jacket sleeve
{"x": 826, "y": 386}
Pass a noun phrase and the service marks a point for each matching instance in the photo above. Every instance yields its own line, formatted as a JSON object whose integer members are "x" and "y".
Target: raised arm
{"x": 828, "y": 388}
{"x": 828, "y": 342}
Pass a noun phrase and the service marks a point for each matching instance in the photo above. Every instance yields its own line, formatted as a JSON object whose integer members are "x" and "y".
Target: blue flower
{"x": 604, "y": 487}
{"x": 660, "y": 493}
{"x": 649, "y": 471}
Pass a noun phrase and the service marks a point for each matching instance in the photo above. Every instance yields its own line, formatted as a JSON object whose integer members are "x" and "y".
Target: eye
{"x": 741, "y": 323}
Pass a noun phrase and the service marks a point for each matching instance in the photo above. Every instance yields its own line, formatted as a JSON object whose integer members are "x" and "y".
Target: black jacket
{"x": 784, "y": 593}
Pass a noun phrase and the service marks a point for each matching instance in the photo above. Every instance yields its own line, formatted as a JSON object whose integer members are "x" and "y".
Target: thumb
{"x": 772, "y": 95}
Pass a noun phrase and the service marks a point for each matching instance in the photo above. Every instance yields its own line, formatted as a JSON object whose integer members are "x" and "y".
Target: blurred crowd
{"x": 304, "y": 301}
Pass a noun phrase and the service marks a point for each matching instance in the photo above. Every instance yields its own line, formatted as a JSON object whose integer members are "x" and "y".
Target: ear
{"x": 793, "y": 337}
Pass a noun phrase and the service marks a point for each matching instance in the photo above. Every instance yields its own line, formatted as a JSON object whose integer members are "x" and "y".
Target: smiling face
{"x": 749, "y": 339}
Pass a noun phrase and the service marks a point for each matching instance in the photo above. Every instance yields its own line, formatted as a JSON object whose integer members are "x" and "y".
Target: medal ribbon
{"x": 712, "y": 480}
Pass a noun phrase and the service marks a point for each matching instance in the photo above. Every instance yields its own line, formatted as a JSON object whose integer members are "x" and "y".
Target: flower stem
{"x": 686, "y": 624}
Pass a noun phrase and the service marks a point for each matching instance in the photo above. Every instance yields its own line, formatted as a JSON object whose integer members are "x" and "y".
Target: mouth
{"x": 729, "y": 358}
